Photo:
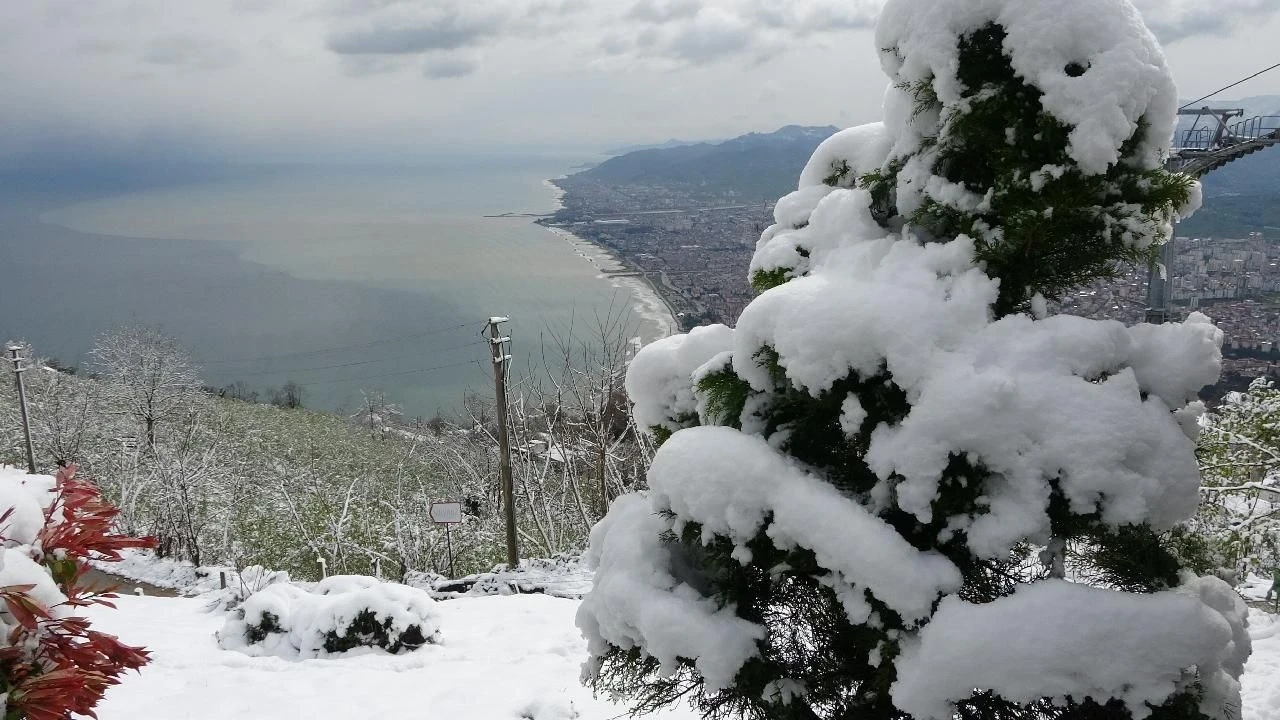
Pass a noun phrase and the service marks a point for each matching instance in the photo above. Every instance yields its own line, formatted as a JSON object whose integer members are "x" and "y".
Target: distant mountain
{"x": 1235, "y": 216}
{"x": 672, "y": 143}
{"x": 755, "y": 167}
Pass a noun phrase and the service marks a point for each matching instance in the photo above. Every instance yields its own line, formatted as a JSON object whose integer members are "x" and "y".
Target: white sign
{"x": 446, "y": 512}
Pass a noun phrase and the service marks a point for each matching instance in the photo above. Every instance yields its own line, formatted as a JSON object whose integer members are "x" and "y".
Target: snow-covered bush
{"x": 52, "y": 663}
{"x": 881, "y": 480}
{"x": 338, "y": 614}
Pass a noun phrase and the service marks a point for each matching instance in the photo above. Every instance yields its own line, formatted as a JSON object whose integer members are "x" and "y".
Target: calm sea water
{"x": 342, "y": 280}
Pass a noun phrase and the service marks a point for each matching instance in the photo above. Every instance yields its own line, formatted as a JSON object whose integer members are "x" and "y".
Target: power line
{"x": 352, "y": 364}
{"x": 384, "y": 341}
{"x": 387, "y": 375}
{"x": 1238, "y": 82}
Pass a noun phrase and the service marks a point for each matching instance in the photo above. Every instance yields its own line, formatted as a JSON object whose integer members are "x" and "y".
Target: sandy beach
{"x": 656, "y": 315}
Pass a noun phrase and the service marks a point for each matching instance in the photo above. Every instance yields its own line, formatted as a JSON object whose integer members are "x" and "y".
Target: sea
{"x": 343, "y": 279}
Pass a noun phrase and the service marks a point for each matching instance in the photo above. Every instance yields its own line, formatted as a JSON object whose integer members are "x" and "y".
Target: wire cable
{"x": 1238, "y": 82}
{"x": 384, "y": 341}
{"x": 387, "y": 375}
{"x": 354, "y": 364}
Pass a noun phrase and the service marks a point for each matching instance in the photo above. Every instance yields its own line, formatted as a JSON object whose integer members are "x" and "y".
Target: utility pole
{"x": 16, "y": 359}
{"x": 498, "y": 343}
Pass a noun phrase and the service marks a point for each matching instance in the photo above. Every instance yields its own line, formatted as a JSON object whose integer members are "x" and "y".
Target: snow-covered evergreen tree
{"x": 896, "y": 488}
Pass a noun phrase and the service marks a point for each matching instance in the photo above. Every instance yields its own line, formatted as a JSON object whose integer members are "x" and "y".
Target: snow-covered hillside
{"x": 501, "y": 658}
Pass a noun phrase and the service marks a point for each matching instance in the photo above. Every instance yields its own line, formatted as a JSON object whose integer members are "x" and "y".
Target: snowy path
{"x": 503, "y": 658}
{"x": 100, "y": 580}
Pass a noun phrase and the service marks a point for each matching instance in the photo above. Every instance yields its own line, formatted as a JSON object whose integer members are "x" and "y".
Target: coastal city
{"x": 1235, "y": 281}
{"x": 694, "y": 250}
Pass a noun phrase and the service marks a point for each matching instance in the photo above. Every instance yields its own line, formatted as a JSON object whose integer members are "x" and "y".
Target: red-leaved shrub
{"x": 52, "y": 663}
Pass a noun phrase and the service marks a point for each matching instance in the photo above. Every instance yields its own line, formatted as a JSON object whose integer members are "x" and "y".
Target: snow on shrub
{"x": 338, "y": 614}
{"x": 52, "y": 663}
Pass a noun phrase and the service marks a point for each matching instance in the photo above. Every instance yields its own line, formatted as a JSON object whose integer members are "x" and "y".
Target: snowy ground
{"x": 502, "y": 658}
{"x": 1261, "y": 681}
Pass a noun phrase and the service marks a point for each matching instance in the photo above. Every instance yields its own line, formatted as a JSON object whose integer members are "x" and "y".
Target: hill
{"x": 221, "y": 480}
{"x": 753, "y": 167}
{"x": 1236, "y": 215}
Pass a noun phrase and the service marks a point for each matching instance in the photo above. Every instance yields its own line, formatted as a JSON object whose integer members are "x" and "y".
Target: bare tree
{"x": 238, "y": 390}
{"x": 290, "y": 395}
{"x": 189, "y": 473}
{"x": 146, "y": 376}
{"x": 589, "y": 370}
{"x": 63, "y": 425}
{"x": 377, "y": 413}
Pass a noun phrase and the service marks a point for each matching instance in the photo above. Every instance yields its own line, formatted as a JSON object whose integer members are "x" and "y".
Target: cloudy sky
{"x": 294, "y": 78}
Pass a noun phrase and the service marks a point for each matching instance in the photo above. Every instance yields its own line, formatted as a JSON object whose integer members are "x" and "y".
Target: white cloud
{"x": 308, "y": 74}
{"x": 189, "y": 50}
{"x": 411, "y": 30}
{"x": 368, "y": 65}
{"x": 1173, "y": 20}
{"x": 700, "y": 31}
{"x": 672, "y": 33}
{"x": 814, "y": 16}
{"x": 662, "y": 11}
{"x": 712, "y": 35}
{"x": 447, "y": 67}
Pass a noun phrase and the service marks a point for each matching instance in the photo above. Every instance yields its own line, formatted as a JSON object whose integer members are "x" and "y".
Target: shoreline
{"x": 648, "y": 302}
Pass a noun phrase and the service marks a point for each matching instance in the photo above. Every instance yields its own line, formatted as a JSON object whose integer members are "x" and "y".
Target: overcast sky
{"x": 292, "y": 78}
